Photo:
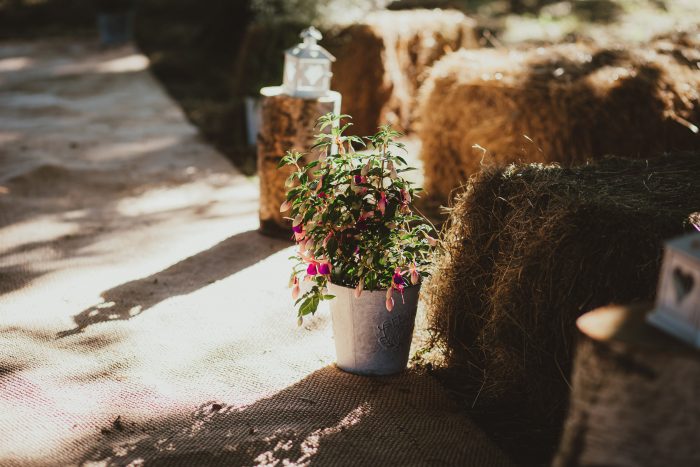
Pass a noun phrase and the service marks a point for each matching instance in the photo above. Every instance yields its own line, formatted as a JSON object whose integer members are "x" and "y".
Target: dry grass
{"x": 382, "y": 62}
{"x": 528, "y": 249}
{"x": 564, "y": 104}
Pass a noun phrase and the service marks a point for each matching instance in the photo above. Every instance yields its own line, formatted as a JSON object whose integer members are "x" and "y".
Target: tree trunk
{"x": 636, "y": 394}
{"x": 286, "y": 123}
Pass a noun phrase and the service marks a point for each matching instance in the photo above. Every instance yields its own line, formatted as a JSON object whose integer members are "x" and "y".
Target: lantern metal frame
{"x": 307, "y": 67}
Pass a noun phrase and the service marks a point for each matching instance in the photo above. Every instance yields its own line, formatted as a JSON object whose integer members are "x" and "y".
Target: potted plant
{"x": 361, "y": 246}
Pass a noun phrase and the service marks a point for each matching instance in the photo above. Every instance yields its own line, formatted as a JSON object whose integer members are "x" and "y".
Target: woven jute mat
{"x": 143, "y": 320}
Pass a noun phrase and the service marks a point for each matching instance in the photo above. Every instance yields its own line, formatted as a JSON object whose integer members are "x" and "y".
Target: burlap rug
{"x": 143, "y": 320}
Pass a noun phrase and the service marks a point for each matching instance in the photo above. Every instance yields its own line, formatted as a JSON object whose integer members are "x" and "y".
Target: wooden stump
{"x": 636, "y": 394}
{"x": 286, "y": 123}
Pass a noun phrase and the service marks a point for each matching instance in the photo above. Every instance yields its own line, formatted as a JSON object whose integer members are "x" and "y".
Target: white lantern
{"x": 307, "y": 67}
{"x": 678, "y": 298}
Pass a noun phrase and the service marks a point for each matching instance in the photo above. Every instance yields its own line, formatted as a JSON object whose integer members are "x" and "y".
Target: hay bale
{"x": 565, "y": 103}
{"x": 382, "y": 61}
{"x": 683, "y": 46}
{"x": 528, "y": 249}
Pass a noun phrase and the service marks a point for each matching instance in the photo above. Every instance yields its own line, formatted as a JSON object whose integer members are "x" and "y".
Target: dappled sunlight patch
{"x": 15, "y": 64}
{"x": 36, "y": 230}
{"x": 131, "y": 63}
{"x": 107, "y": 61}
{"x": 312, "y": 443}
{"x": 129, "y": 150}
{"x": 200, "y": 197}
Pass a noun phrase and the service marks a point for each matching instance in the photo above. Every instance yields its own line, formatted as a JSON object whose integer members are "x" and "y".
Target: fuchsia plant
{"x": 352, "y": 217}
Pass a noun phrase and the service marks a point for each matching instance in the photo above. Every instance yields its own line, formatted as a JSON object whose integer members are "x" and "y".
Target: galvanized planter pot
{"x": 369, "y": 340}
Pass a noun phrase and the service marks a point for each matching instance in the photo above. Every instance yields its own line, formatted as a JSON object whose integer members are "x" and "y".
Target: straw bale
{"x": 528, "y": 249}
{"x": 382, "y": 61}
{"x": 565, "y": 103}
{"x": 682, "y": 45}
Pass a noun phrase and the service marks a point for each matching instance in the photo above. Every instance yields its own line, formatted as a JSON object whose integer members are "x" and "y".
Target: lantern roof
{"x": 309, "y": 48}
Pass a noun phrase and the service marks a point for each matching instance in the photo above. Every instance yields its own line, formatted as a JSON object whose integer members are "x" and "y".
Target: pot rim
{"x": 407, "y": 287}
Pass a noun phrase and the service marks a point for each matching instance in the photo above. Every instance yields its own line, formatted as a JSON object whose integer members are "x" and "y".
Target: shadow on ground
{"x": 328, "y": 418}
{"x": 218, "y": 262}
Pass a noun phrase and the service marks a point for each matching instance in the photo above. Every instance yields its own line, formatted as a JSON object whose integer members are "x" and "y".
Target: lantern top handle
{"x": 311, "y": 35}
{"x": 309, "y": 49}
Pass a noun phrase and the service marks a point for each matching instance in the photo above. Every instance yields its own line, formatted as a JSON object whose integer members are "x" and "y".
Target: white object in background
{"x": 307, "y": 67}
{"x": 677, "y": 308}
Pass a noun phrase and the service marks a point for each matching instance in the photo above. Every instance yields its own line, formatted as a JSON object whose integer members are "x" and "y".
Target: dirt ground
{"x": 144, "y": 319}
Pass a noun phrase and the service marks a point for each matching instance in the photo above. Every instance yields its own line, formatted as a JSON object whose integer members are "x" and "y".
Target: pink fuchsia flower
{"x": 297, "y": 228}
{"x": 324, "y": 268}
{"x": 285, "y": 206}
{"x": 389, "y": 299}
{"x": 397, "y": 280}
{"x": 311, "y": 269}
{"x": 415, "y": 277}
{"x": 295, "y": 288}
{"x": 381, "y": 205}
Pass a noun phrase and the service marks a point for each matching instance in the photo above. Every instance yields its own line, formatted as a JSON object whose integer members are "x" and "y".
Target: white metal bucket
{"x": 369, "y": 340}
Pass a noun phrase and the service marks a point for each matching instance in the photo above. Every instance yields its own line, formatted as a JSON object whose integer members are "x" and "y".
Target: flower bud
{"x": 300, "y": 321}
{"x": 360, "y": 286}
{"x": 415, "y": 277}
{"x": 392, "y": 171}
{"x": 365, "y": 169}
{"x": 285, "y": 206}
{"x": 381, "y": 204}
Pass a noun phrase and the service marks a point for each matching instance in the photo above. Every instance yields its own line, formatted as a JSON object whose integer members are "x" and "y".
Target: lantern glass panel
{"x": 312, "y": 75}
{"x": 290, "y": 72}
